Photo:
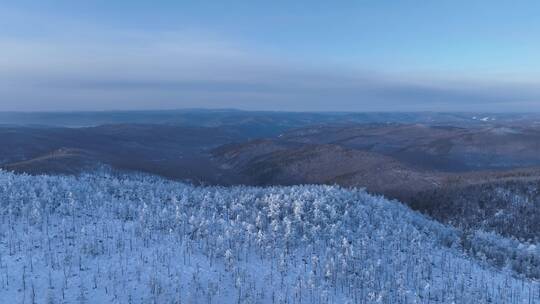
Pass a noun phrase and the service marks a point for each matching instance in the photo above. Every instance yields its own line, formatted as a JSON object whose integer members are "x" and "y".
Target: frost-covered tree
{"x": 101, "y": 238}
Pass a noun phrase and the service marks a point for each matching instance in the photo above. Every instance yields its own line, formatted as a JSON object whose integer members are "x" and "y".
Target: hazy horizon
{"x": 305, "y": 56}
{"x": 194, "y": 109}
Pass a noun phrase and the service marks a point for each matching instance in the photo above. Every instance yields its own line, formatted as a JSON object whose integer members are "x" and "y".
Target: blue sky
{"x": 270, "y": 55}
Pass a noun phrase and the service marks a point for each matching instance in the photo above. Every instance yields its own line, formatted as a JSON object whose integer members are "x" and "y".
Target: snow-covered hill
{"x": 140, "y": 239}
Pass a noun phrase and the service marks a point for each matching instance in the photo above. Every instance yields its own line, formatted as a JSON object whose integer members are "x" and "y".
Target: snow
{"x": 484, "y": 119}
{"x": 100, "y": 238}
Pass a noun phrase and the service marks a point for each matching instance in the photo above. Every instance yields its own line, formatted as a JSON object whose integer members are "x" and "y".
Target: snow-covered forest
{"x": 102, "y": 238}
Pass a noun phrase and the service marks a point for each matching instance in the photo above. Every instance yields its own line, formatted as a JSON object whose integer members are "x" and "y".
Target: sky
{"x": 270, "y": 55}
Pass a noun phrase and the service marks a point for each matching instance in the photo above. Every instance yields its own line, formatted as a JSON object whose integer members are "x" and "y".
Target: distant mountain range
{"x": 431, "y": 161}
{"x": 391, "y": 153}
{"x": 259, "y": 122}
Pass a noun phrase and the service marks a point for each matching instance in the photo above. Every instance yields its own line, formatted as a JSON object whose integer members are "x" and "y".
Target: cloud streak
{"x": 133, "y": 70}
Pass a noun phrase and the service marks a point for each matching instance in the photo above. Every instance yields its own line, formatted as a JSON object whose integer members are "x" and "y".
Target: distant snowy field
{"x": 140, "y": 239}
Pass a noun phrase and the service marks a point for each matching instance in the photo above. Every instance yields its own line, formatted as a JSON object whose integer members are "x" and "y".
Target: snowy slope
{"x": 140, "y": 239}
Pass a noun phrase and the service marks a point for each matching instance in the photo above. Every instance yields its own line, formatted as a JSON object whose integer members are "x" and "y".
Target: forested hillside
{"x": 507, "y": 207}
{"x": 140, "y": 239}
